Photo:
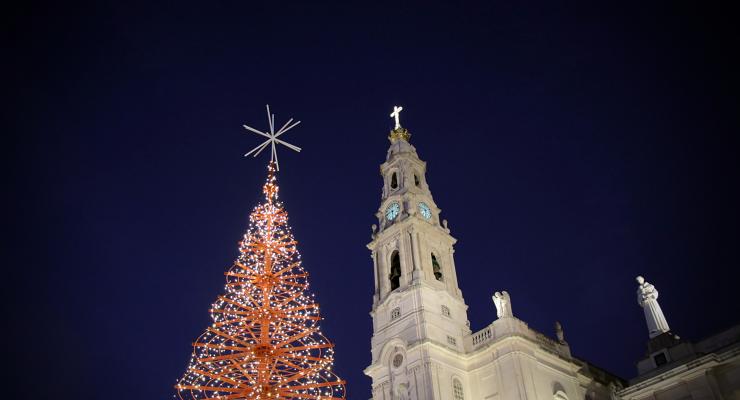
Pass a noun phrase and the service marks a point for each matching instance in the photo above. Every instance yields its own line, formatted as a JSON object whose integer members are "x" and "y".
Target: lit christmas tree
{"x": 265, "y": 341}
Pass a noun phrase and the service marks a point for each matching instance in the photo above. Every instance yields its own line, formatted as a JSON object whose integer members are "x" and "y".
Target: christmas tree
{"x": 265, "y": 341}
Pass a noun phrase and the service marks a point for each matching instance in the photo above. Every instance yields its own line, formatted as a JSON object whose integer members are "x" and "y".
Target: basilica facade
{"x": 422, "y": 345}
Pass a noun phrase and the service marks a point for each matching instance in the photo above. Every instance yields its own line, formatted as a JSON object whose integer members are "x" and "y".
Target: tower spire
{"x": 419, "y": 314}
{"x": 409, "y": 240}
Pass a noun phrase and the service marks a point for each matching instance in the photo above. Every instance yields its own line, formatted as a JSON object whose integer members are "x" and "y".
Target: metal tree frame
{"x": 265, "y": 341}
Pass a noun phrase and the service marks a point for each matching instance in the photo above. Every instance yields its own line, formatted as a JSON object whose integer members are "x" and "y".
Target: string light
{"x": 265, "y": 341}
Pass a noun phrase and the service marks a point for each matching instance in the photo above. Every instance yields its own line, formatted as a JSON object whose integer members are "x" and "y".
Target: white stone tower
{"x": 422, "y": 345}
{"x": 418, "y": 312}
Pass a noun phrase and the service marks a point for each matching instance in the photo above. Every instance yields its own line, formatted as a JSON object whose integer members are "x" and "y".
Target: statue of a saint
{"x": 647, "y": 298}
{"x": 613, "y": 389}
{"x": 503, "y": 304}
{"x": 559, "y": 332}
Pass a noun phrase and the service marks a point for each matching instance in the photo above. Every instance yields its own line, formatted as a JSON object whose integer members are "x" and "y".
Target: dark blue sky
{"x": 571, "y": 147}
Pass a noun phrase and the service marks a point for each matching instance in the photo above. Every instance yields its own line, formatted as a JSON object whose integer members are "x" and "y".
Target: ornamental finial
{"x": 396, "y": 114}
{"x": 398, "y": 132}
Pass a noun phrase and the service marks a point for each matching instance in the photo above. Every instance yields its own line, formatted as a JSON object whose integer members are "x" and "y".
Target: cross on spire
{"x": 272, "y": 138}
{"x": 395, "y": 114}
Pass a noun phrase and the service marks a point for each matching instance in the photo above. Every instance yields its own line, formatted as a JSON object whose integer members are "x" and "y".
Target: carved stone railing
{"x": 482, "y": 336}
{"x": 546, "y": 342}
{"x": 513, "y": 327}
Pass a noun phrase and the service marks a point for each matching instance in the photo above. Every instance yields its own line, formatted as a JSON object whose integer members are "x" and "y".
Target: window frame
{"x": 458, "y": 390}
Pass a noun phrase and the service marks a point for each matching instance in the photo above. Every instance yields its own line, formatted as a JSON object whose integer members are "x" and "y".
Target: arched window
{"x": 457, "y": 390}
{"x": 395, "y": 275}
{"x": 436, "y": 268}
{"x": 416, "y": 180}
{"x": 394, "y": 181}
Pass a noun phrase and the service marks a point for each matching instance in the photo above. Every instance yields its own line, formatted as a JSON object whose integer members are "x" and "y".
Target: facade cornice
{"x": 410, "y": 222}
{"x": 667, "y": 378}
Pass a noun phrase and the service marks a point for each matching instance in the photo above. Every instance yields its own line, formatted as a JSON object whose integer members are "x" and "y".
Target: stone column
{"x": 383, "y": 270}
{"x": 376, "y": 296}
{"x": 407, "y": 258}
{"x": 418, "y": 262}
{"x": 452, "y": 283}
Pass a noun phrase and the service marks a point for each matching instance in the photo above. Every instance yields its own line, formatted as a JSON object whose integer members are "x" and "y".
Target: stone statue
{"x": 375, "y": 229}
{"x": 613, "y": 389}
{"x": 559, "y": 332}
{"x": 647, "y": 298}
{"x": 503, "y": 304}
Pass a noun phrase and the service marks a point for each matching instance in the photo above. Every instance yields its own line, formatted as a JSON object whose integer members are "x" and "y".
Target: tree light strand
{"x": 265, "y": 341}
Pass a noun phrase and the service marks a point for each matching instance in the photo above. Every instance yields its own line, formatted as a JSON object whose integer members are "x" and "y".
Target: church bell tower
{"x": 419, "y": 314}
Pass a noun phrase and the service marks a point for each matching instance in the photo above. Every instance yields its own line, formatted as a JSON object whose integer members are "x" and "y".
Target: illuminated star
{"x": 272, "y": 138}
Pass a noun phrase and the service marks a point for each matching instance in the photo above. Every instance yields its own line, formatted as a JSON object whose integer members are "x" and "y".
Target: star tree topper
{"x": 272, "y": 138}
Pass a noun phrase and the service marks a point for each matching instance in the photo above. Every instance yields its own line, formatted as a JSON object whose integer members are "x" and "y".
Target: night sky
{"x": 571, "y": 147}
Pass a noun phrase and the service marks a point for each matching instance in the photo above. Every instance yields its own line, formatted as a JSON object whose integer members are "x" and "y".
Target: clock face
{"x": 425, "y": 211}
{"x": 392, "y": 211}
